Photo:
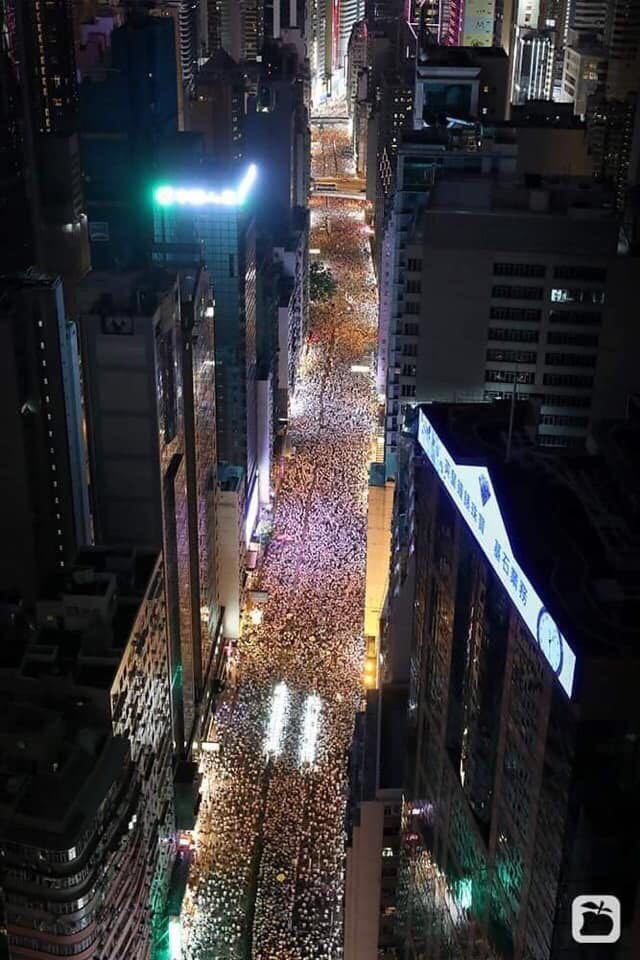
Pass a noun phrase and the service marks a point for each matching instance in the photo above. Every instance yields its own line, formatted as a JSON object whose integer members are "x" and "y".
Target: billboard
{"x": 473, "y": 494}
{"x": 477, "y": 26}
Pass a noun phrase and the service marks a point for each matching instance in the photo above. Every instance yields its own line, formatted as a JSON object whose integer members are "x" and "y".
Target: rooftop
{"x": 133, "y": 292}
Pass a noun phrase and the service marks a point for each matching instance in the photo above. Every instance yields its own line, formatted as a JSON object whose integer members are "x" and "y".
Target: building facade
{"x": 87, "y": 833}
{"x": 148, "y": 362}
{"x": 45, "y": 514}
{"x": 512, "y": 671}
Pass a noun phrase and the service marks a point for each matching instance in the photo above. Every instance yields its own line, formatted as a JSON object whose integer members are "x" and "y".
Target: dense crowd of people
{"x": 267, "y": 877}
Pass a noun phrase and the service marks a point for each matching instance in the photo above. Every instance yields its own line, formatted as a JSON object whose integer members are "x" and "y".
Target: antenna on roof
{"x": 511, "y": 416}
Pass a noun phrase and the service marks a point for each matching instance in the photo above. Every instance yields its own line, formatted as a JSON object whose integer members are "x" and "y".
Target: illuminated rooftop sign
{"x": 472, "y": 492}
{"x": 168, "y": 196}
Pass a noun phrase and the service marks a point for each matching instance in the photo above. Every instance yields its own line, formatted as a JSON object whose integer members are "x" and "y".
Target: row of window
{"x": 582, "y": 317}
{"x": 558, "y": 294}
{"x": 582, "y": 402}
{"x": 519, "y": 269}
{"x": 563, "y": 420}
{"x": 572, "y": 339}
{"x": 550, "y": 359}
{"x": 568, "y": 272}
{"x": 515, "y": 314}
{"x": 549, "y": 379}
{"x": 514, "y": 335}
{"x": 512, "y": 356}
{"x": 517, "y": 335}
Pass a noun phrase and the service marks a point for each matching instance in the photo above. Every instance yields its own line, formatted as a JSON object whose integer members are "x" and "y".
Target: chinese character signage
{"x": 471, "y": 490}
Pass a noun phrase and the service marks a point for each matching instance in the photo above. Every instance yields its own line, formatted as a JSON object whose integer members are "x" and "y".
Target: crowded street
{"x": 267, "y": 874}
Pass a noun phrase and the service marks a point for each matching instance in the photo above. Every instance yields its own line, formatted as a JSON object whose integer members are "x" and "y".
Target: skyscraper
{"x": 197, "y": 220}
{"x": 148, "y": 368}
{"x": 125, "y": 113}
{"x": 87, "y": 830}
{"x": 515, "y": 686}
{"x": 44, "y": 501}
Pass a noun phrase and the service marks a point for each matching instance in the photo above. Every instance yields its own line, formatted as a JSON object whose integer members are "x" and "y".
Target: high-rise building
{"x": 534, "y": 63}
{"x": 43, "y": 186}
{"x": 522, "y": 682}
{"x": 544, "y": 307}
{"x": 148, "y": 371}
{"x": 242, "y": 29}
{"x": 217, "y": 108}
{"x": 87, "y": 828}
{"x": 197, "y": 220}
{"x": 16, "y": 245}
{"x": 127, "y": 108}
{"x": 47, "y": 48}
{"x": 44, "y": 484}
{"x": 278, "y": 137}
{"x": 376, "y": 774}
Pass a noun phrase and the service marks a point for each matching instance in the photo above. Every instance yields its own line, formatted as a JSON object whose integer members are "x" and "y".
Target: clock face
{"x": 550, "y": 640}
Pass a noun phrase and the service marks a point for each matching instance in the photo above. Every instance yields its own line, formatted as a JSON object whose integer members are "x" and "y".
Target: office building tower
{"x": 376, "y": 777}
{"x": 622, "y": 43}
{"x": 126, "y": 112}
{"x": 610, "y": 126}
{"x": 44, "y": 499}
{"x": 279, "y": 139}
{"x": 584, "y": 70}
{"x": 588, "y": 16}
{"x": 533, "y": 67}
{"x": 87, "y": 829}
{"x": 544, "y": 307}
{"x": 208, "y": 221}
{"x": 515, "y": 683}
{"x": 148, "y": 370}
{"x": 217, "y": 109}
{"x": 46, "y": 43}
{"x": 16, "y": 245}
{"x": 242, "y": 29}
{"x": 43, "y": 192}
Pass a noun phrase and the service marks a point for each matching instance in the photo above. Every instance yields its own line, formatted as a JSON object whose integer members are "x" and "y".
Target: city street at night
{"x": 268, "y": 880}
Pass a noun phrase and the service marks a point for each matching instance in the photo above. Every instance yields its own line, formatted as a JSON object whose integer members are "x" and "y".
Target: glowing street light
{"x": 309, "y": 732}
{"x": 277, "y": 720}
{"x": 175, "y": 939}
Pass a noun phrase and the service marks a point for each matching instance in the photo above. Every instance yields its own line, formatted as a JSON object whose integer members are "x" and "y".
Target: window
{"x": 232, "y": 266}
{"x": 573, "y": 339}
{"x": 567, "y": 380}
{"x": 408, "y": 390}
{"x": 563, "y": 420}
{"x": 515, "y": 314}
{"x": 584, "y": 317}
{"x": 518, "y": 336}
{"x": 570, "y": 359}
{"x": 413, "y": 286}
{"x": 411, "y": 329}
{"x": 414, "y": 265}
{"x": 579, "y": 272}
{"x": 410, "y": 350}
{"x": 576, "y": 295}
{"x": 508, "y": 376}
{"x": 517, "y": 293}
{"x": 566, "y": 400}
{"x": 512, "y": 356}
{"x": 408, "y": 370}
{"x": 519, "y": 269}
{"x": 412, "y": 308}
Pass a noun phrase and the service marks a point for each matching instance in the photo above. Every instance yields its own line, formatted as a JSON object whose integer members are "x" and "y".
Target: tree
{"x": 322, "y": 286}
